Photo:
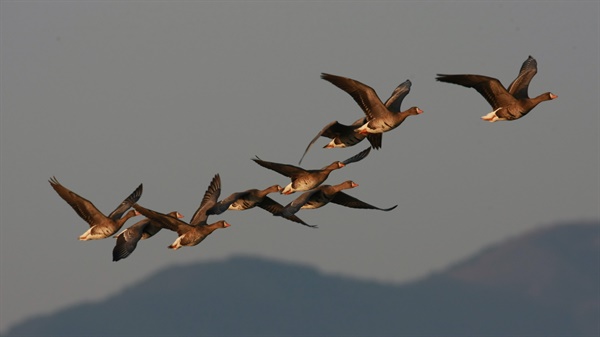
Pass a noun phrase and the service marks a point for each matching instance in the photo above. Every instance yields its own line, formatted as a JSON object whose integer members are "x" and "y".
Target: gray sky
{"x": 106, "y": 95}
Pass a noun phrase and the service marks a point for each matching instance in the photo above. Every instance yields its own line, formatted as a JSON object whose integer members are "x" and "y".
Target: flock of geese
{"x": 507, "y": 103}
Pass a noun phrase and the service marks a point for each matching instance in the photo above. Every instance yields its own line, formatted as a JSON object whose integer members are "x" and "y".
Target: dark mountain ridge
{"x": 546, "y": 282}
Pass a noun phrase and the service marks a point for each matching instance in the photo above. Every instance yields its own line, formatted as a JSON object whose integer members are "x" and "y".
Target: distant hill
{"x": 543, "y": 283}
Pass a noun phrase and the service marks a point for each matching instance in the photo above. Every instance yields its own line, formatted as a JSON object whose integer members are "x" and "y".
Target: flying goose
{"x": 194, "y": 232}
{"x": 507, "y": 104}
{"x": 380, "y": 117}
{"x": 304, "y": 180}
{"x": 128, "y": 239}
{"x": 342, "y": 135}
{"x": 325, "y": 194}
{"x": 251, "y": 198}
{"x": 101, "y": 226}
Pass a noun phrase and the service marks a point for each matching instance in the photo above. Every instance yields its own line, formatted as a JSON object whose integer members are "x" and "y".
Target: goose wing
{"x": 275, "y": 208}
{"x": 490, "y": 88}
{"x": 300, "y": 201}
{"x": 375, "y": 140}
{"x": 284, "y": 169}
{"x": 344, "y": 199}
{"x": 211, "y": 195}
{"x": 357, "y": 157}
{"x": 330, "y": 130}
{"x": 393, "y": 103}
{"x": 164, "y": 220}
{"x": 128, "y": 239}
{"x": 126, "y": 204}
{"x": 224, "y": 204}
{"x": 83, "y": 207}
{"x": 518, "y": 88}
{"x": 363, "y": 94}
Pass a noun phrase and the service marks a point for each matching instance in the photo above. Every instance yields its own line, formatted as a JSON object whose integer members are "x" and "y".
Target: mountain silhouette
{"x": 546, "y": 282}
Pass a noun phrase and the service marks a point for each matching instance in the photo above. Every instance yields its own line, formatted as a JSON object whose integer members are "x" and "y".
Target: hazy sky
{"x": 106, "y": 95}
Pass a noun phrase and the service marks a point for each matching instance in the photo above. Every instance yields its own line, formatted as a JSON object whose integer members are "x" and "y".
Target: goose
{"x": 128, "y": 239}
{"x": 304, "y": 180}
{"x": 251, "y": 198}
{"x": 325, "y": 194}
{"x": 101, "y": 226}
{"x": 380, "y": 117}
{"x": 342, "y": 135}
{"x": 507, "y": 104}
{"x": 194, "y": 232}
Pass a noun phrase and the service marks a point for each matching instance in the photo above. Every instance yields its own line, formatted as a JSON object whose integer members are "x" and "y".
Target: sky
{"x": 106, "y": 95}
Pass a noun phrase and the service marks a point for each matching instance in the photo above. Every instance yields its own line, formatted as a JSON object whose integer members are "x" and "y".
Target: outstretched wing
{"x": 331, "y": 130}
{"x": 83, "y": 207}
{"x": 276, "y": 208}
{"x": 518, "y": 88}
{"x": 375, "y": 140}
{"x": 224, "y": 204}
{"x": 363, "y": 94}
{"x": 126, "y": 204}
{"x": 344, "y": 199}
{"x": 296, "y": 204}
{"x": 490, "y": 88}
{"x": 208, "y": 201}
{"x": 357, "y": 157}
{"x": 393, "y": 103}
{"x": 164, "y": 220}
{"x": 127, "y": 240}
{"x": 284, "y": 169}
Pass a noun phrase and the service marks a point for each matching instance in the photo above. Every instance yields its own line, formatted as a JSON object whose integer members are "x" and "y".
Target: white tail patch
{"x": 288, "y": 189}
{"x": 332, "y": 145}
{"x": 236, "y": 207}
{"x": 311, "y": 206}
{"x": 492, "y": 117}
{"x": 177, "y": 244}
{"x": 88, "y": 235}
{"x": 363, "y": 129}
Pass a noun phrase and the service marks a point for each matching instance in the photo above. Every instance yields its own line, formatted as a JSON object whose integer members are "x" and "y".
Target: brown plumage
{"x": 380, "y": 117}
{"x": 189, "y": 234}
{"x": 128, "y": 239}
{"x": 248, "y": 199}
{"x": 240, "y": 201}
{"x": 101, "y": 226}
{"x": 197, "y": 230}
{"x": 325, "y": 194}
{"x": 342, "y": 135}
{"x": 507, "y": 104}
{"x": 304, "y": 180}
